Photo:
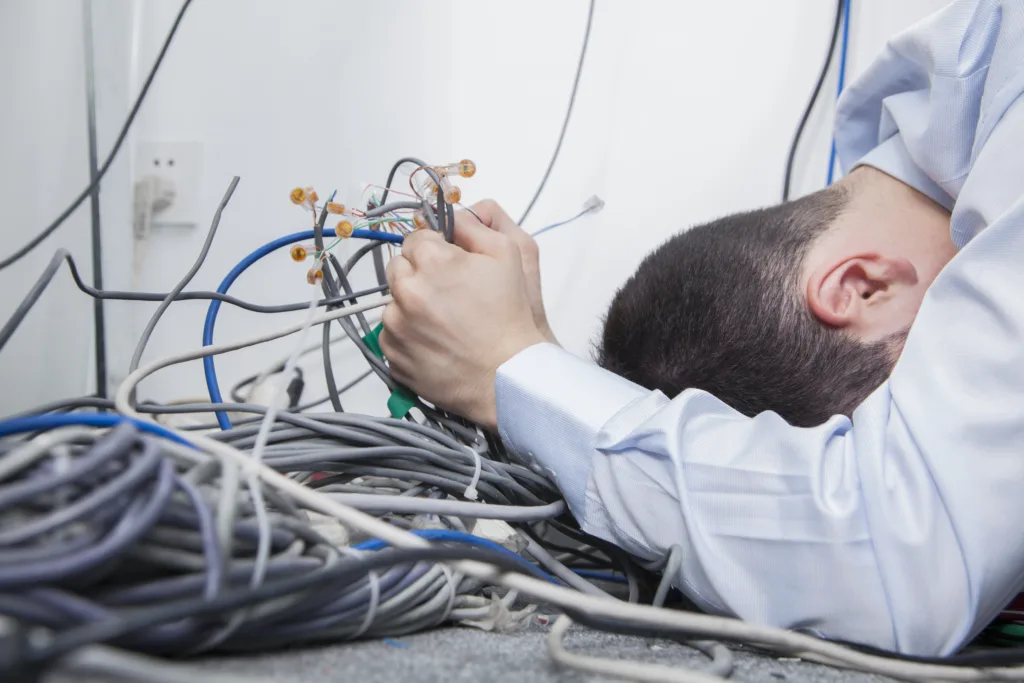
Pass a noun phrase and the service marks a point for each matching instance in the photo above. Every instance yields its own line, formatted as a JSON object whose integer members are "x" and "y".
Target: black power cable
{"x": 814, "y": 98}
{"x": 98, "y": 318}
{"x": 568, "y": 114}
{"x": 50, "y": 229}
{"x": 63, "y": 255}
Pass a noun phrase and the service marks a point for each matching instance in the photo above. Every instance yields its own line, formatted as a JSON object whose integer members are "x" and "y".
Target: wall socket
{"x": 179, "y": 164}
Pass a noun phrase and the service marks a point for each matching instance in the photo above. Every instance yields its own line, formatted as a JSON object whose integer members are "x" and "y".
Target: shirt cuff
{"x": 551, "y": 406}
{"x": 892, "y": 158}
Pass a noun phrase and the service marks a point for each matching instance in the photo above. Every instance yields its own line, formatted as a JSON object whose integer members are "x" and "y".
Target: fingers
{"x": 477, "y": 238}
{"x": 398, "y": 268}
{"x": 389, "y": 338}
{"x": 490, "y": 213}
{"x": 421, "y": 245}
{"x": 494, "y": 217}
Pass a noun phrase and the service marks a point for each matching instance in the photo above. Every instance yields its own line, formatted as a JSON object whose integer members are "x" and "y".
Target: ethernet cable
{"x": 178, "y": 288}
{"x": 408, "y": 505}
{"x": 214, "y": 308}
{"x": 568, "y": 114}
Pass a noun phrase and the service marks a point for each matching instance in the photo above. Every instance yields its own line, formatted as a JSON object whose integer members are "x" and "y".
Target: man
{"x": 812, "y": 480}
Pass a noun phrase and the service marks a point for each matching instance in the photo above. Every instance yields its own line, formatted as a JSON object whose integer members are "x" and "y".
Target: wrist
{"x": 485, "y": 410}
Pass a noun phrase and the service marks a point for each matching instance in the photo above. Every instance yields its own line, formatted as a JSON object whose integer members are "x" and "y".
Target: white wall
{"x": 685, "y": 112}
{"x": 43, "y": 165}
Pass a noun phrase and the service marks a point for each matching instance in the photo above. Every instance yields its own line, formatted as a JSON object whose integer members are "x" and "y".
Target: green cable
{"x": 401, "y": 400}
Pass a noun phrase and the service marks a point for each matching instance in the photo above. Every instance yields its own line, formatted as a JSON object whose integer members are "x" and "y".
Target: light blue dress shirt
{"x": 904, "y": 528}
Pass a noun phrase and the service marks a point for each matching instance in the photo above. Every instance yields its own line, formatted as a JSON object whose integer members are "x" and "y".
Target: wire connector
{"x": 593, "y": 205}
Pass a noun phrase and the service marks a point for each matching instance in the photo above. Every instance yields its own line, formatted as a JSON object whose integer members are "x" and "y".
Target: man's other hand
{"x": 459, "y": 312}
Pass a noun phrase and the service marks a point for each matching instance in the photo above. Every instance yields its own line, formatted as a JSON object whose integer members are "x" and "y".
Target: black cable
{"x": 63, "y": 255}
{"x": 568, "y": 114}
{"x": 814, "y": 98}
{"x": 31, "y": 298}
{"x": 332, "y": 387}
{"x": 99, "y": 320}
{"x": 116, "y": 295}
{"x": 49, "y": 230}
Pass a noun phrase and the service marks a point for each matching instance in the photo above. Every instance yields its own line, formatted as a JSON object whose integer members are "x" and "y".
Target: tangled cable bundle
{"x": 104, "y": 526}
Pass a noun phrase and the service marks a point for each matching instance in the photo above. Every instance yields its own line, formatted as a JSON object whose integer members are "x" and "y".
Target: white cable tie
{"x": 471, "y": 492}
{"x": 371, "y": 611}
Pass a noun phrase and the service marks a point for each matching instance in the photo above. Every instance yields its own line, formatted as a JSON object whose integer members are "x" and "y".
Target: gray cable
{"x": 128, "y": 666}
{"x": 31, "y": 298}
{"x": 672, "y": 565}
{"x": 568, "y": 114}
{"x": 632, "y": 670}
{"x": 560, "y": 571}
{"x": 369, "y": 502}
{"x": 178, "y": 288}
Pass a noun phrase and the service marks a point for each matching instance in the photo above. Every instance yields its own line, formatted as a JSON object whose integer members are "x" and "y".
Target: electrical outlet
{"x": 178, "y": 165}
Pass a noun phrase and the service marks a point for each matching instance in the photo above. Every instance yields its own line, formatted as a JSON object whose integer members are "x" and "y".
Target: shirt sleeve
{"x": 901, "y": 528}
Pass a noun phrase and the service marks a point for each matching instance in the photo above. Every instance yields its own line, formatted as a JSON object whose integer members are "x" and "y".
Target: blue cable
{"x": 842, "y": 79}
{"x": 211, "y": 313}
{"x": 600, "y": 576}
{"x": 561, "y": 223}
{"x": 460, "y": 537}
{"x": 35, "y": 423}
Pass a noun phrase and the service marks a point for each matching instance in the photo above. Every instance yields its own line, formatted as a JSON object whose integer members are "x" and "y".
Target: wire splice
{"x": 464, "y": 168}
{"x": 343, "y": 230}
{"x": 452, "y": 194}
{"x": 306, "y": 197}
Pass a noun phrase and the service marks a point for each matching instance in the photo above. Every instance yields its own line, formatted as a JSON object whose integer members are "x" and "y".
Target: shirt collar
{"x": 892, "y": 158}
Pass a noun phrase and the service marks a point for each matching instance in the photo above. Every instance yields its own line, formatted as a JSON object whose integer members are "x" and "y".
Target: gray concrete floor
{"x": 464, "y": 654}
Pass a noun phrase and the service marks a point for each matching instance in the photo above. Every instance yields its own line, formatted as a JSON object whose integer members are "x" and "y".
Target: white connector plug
{"x": 593, "y": 205}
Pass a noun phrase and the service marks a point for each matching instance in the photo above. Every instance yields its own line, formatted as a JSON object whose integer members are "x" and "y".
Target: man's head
{"x": 800, "y": 308}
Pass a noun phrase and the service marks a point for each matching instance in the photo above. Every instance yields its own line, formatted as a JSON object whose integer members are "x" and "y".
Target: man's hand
{"x": 494, "y": 217}
{"x": 459, "y": 312}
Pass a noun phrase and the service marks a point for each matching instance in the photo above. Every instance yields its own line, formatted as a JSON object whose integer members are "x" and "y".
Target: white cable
{"x": 269, "y": 417}
{"x": 633, "y": 670}
{"x": 132, "y": 380}
{"x": 115, "y": 664}
{"x": 311, "y": 348}
{"x": 376, "y": 502}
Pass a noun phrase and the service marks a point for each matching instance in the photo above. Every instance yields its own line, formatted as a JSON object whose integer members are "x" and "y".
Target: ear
{"x": 842, "y": 294}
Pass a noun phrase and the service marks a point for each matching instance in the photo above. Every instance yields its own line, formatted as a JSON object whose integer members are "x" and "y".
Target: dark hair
{"x": 717, "y": 307}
